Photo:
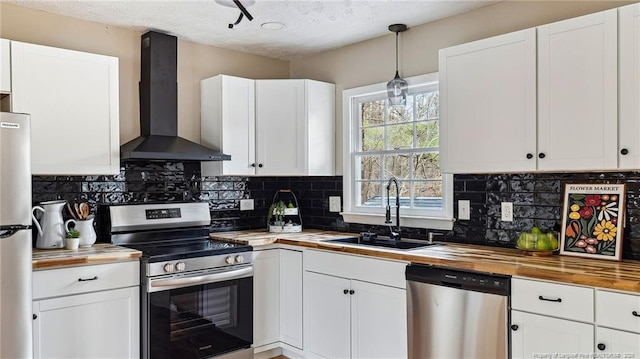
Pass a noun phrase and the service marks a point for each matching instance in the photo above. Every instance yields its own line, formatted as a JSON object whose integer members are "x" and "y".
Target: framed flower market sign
{"x": 593, "y": 220}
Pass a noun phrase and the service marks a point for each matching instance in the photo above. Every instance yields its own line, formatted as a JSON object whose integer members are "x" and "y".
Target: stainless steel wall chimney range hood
{"x": 159, "y": 107}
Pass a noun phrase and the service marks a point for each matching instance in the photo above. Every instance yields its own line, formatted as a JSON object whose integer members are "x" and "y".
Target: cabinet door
{"x": 94, "y": 325}
{"x": 227, "y": 117}
{"x": 577, "y": 93}
{"x": 488, "y": 105}
{"x": 540, "y": 336}
{"x": 291, "y": 297}
{"x": 617, "y": 342}
{"x": 73, "y": 101}
{"x": 266, "y": 297}
{"x": 327, "y": 316}
{"x": 5, "y": 67}
{"x": 629, "y": 77}
{"x": 281, "y": 127}
{"x": 378, "y": 321}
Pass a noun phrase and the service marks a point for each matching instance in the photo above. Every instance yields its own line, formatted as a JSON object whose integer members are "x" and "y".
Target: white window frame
{"x": 415, "y": 218}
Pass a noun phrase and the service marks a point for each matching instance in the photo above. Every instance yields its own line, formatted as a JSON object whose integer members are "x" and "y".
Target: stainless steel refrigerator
{"x": 15, "y": 237}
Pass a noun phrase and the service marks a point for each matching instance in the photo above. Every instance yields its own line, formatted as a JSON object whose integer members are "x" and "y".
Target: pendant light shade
{"x": 398, "y": 87}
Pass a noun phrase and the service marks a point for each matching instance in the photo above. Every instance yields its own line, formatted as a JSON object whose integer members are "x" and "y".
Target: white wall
{"x": 373, "y": 61}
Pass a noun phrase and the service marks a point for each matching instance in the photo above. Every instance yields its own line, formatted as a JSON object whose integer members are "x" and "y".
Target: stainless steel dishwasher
{"x": 456, "y": 314}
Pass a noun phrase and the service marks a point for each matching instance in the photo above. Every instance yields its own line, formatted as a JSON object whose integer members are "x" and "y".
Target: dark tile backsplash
{"x": 537, "y": 199}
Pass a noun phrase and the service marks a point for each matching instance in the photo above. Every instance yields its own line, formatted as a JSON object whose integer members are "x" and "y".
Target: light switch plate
{"x": 464, "y": 209}
{"x": 507, "y": 211}
{"x": 246, "y": 204}
{"x": 334, "y": 203}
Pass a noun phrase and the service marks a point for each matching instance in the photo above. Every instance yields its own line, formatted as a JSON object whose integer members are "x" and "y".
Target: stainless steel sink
{"x": 382, "y": 242}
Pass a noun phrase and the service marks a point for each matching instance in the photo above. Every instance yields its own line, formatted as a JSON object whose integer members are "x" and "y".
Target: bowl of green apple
{"x": 537, "y": 242}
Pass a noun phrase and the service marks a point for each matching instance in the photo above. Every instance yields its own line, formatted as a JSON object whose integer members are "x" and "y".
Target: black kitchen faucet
{"x": 395, "y": 235}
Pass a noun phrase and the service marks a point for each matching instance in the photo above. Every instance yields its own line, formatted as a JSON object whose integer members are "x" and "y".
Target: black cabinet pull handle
{"x": 35, "y": 316}
{"x": 529, "y": 156}
{"x": 87, "y": 280}
{"x": 601, "y": 346}
{"x": 624, "y": 151}
{"x": 346, "y": 291}
{"x": 541, "y": 155}
{"x": 514, "y": 327}
{"x": 260, "y": 165}
{"x": 635, "y": 314}
{"x": 558, "y": 300}
{"x": 352, "y": 291}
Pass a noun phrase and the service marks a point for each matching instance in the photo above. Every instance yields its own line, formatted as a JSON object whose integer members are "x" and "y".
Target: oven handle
{"x": 204, "y": 279}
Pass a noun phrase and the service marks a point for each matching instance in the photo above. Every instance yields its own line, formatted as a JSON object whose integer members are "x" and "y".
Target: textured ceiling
{"x": 310, "y": 26}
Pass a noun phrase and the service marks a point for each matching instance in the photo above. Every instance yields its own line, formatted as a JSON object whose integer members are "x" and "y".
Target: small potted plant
{"x": 73, "y": 239}
{"x": 276, "y": 212}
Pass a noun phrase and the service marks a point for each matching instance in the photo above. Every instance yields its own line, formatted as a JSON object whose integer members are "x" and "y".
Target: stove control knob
{"x": 239, "y": 259}
{"x": 180, "y": 266}
{"x": 229, "y": 260}
{"x": 168, "y": 268}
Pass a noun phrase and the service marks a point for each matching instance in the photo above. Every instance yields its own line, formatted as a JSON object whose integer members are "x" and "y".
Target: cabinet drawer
{"x": 83, "y": 279}
{"x": 355, "y": 267}
{"x": 616, "y": 310}
{"x": 558, "y": 300}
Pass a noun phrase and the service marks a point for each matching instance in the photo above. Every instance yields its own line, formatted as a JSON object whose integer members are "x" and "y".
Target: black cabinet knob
{"x": 529, "y": 156}
{"x": 260, "y": 165}
{"x": 601, "y": 346}
{"x": 35, "y": 316}
{"x": 624, "y": 151}
{"x": 253, "y": 165}
{"x": 346, "y": 291}
{"x": 352, "y": 291}
{"x": 514, "y": 327}
{"x": 635, "y": 314}
{"x": 541, "y": 155}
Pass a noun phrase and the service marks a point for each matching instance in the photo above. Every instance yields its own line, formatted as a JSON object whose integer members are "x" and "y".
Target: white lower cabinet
{"x": 347, "y": 314}
{"x": 618, "y": 324}
{"x": 277, "y": 293}
{"x": 266, "y": 296}
{"x": 98, "y": 317}
{"x": 541, "y": 336}
{"x": 617, "y": 342}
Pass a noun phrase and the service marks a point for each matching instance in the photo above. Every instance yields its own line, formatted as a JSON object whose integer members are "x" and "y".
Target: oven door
{"x": 199, "y": 315}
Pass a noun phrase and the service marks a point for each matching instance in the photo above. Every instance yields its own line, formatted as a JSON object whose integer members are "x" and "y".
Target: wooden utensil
{"x": 75, "y": 206}
{"x": 84, "y": 210}
{"x": 73, "y": 214}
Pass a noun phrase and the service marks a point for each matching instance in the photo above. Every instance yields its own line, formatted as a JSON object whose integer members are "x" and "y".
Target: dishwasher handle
{"x": 467, "y": 280}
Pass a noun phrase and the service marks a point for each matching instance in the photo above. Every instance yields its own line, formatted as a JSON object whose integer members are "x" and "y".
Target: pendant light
{"x": 397, "y": 88}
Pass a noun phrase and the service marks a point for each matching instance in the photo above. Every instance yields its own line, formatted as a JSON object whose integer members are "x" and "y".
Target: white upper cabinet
{"x": 577, "y": 93}
{"x": 488, "y": 104}
{"x": 72, "y": 98}
{"x": 629, "y": 95}
{"x": 269, "y": 127}
{"x": 5, "y": 67}
{"x": 507, "y": 108}
{"x": 295, "y": 127}
{"x": 228, "y": 124}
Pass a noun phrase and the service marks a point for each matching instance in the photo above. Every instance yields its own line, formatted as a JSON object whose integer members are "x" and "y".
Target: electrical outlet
{"x": 334, "y": 203}
{"x": 464, "y": 209}
{"x": 246, "y": 204}
{"x": 507, "y": 211}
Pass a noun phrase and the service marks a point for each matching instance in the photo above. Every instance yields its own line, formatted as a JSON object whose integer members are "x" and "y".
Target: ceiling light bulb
{"x": 272, "y": 25}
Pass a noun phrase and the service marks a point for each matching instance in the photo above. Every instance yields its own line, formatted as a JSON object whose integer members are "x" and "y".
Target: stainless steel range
{"x": 196, "y": 294}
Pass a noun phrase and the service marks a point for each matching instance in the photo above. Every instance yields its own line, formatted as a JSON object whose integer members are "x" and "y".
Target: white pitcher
{"x": 51, "y": 226}
{"x": 87, "y": 232}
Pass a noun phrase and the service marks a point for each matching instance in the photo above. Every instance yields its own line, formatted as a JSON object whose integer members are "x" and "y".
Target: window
{"x": 383, "y": 142}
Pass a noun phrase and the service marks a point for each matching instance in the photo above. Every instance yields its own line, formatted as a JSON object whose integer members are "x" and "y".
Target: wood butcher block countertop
{"x": 96, "y": 254}
{"x": 624, "y": 275}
